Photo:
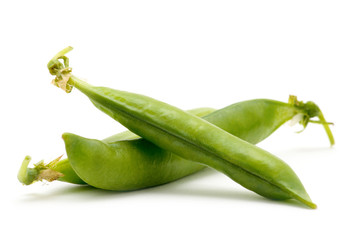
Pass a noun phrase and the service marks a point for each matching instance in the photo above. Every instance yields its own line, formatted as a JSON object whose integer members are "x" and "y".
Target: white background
{"x": 189, "y": 54}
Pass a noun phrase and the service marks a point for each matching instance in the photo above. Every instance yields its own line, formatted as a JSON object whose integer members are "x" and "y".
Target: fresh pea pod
{"x": 189, "y": 137}
{"x": 61, "y": 170}
{"x": 135, "y": 164}
{"x": 252, "y": 121}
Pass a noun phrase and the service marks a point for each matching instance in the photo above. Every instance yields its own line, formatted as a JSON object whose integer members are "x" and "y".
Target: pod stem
{"x": 310, "y": 110}
{"x": 26, "y": 175}
{"x": 40, "y": 171}
{"x": 61, "y": 70}
{"x": 326, "y": 127}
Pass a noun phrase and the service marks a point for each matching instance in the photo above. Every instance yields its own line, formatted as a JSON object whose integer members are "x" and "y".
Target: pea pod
{"x": 252, "y": 121}
{"x": 62, "y": 170}
{"x": 189, "y": 137}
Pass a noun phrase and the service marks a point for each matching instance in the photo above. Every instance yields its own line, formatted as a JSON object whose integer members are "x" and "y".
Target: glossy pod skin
{"x": 195, "y": 139}
{"x": 125, "y": 144}
{"x": 131, "y": 151}
{"x": 137, "y": 163}
{"x": 190, "y": 137}
{"x": 252, "y": 121}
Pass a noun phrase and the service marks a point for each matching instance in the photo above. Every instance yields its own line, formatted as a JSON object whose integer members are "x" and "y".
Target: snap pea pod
{"x": 252, "y": 121}
{"x": 61, "y": 170}
{"x": 189, "y": 137}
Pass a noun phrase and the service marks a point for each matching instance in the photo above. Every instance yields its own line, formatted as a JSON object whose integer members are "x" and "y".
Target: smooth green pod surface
{"x": 252, "y": 121}
{"x": 61, "y": 170}
{"x": 128, "y": 162}
{"x": 192, "y": 138}
{"x": 125, "y": 161}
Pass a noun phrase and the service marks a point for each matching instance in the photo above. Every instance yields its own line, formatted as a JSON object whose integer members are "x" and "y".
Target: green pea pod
{"x": 136, "y": 164}
{"x": 189, "y": 137}
{"x": 252, "y": 121}
{"x": 62, "y": 170}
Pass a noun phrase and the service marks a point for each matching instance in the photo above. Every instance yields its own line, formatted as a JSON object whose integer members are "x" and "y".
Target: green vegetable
{"x": 136, "y": 164}
{"x": 252, "y": 121}
{"x": 62, "y": 170}
{"x": 189, "y": 137}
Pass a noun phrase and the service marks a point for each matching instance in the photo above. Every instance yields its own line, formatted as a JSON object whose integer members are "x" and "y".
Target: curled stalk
{"x": 310, "y": 110}
{"x": 39, "y": 172}
{"x": 61, "y": 70}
